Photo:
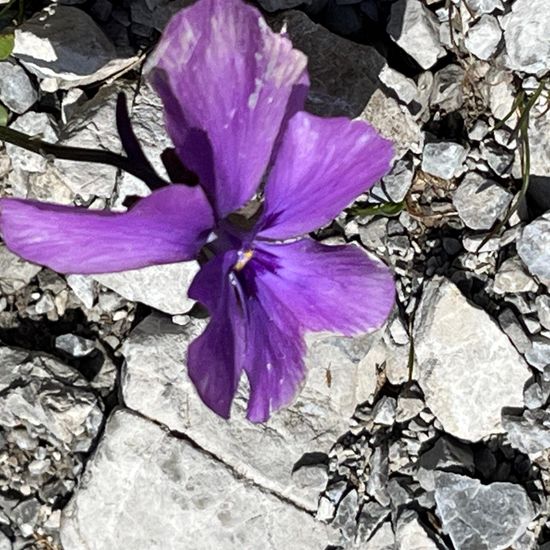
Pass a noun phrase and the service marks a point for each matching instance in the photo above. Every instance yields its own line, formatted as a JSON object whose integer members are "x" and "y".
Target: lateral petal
{"x": 226, "y": 81}
{"x": 322, "y": 165}
{"x": 170, "y": 225}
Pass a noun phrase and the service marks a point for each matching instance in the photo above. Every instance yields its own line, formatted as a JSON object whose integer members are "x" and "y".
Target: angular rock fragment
{"x": 17, "y": 92}
{"x": 163, "y": 287}
{"x": 533, "y": 247}
{"x": 443, "y": 159}
{"x": 15, "y": 273}
{"x": 415, "y": 29}
{"x": 530, "y": 433}
{"x": 484, "y": 517}
{"x": 468, "y": 369}
{"x": 265, "y": 453}
{"x": 484, "y": 37}
{"x": 64, "y": 46}
{"x": 197, "y": 502}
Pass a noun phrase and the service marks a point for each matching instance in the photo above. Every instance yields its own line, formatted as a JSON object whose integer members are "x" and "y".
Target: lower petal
{"x": 337, "y": 288}
{"x": 170, "y": 225}
{"x": 214, "y": 359}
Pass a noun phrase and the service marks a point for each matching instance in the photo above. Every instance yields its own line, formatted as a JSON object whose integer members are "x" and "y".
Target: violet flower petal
{"x": 336, "y": 288}
{"x": 225, "y": 79}
{"x": 170, "y": 225}
{"x": 322, "y": 165}
{"x": 214, "y": 359}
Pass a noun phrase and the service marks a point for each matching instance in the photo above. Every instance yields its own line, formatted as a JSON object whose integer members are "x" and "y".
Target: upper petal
{"x": 322, "y": 165}
{"x": 337, "y": 288}
{"x": 226, "y": 79}
{"x": 170, "y": 225}
{"x": 214, "y": 359}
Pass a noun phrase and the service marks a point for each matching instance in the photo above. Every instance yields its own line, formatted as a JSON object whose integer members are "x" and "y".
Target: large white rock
{"x": 155, "y": 383}
{"x": 146, "y": 490}
{"x": 163, "y": 287}
{"x": 64, "y": 46}
{"x": 468, "y": 369}
{"x": 416, "y": 29}
{"x": 526, "y": 32}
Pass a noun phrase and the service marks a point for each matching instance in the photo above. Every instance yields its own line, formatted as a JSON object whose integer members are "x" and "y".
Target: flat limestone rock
{"x": 468, "y": 369}
{"x": 534, "y": 248}
{"x": 147, "y": 490}
{"x": 163, "y": 287}
{"x": 484, "y": 517}
{"x": 156, "y": 384}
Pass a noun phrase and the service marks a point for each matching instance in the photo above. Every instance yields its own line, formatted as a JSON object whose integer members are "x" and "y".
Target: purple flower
{"x": 233, "y": 93}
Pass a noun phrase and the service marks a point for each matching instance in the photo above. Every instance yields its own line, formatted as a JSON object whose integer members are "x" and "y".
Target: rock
{"x": 410, "y": 533}
{"x": 483, "y": 37}
{"x": 383, "y": 538}
{"x": 485, "y": 6}
{"x": 539, "y": 130}
{"x": 394, "y": 123}
{"x": 39, "y": 125}
{"x": 84, "y": 288}
{"x": 484, "y": 517}
{"x": 404, "y": 87}
{"x": 163, "y": 287}
{"x": 346, "y": 514}
{"x": 529, "y": 433}
{"x": 511, "y": 325}
{"x": 92, "y": 127}
{"x": 5, "y": 543}
{"x": 395, "y": 186}
{"x": 533, "y": 247}
{"x": 444, "y": 159}
{"x": 17, "y": 92}
{"x": 543, "y": 310}
{"x": 467, "y": 368}
{"x": 275, "y": 5}
{"x": 480, "y": 202}
{"x": 343, "y": 74}
{"x": 383, "y": 412}
{"x": 448, "y": 88}
{"x": 538, "y": 355}
{"x": 377, "y": 483}
{"x": 74, "y": 345}
{"x": 15, "y": 273}
{"x": 197, "y": 501}
{"x": 511, "y": 278}
{"x": 371, "y": 516}
{"x": 526, "y": 31}
{"x": 408, "y": 408}
{"x": 415, "y": 29}
{"x": 265, "y": 453}
{"x": 64, "y": 46}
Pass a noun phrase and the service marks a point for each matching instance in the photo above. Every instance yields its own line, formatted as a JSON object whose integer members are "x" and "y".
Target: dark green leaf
{"x": 6, "y": 45}
{"x": 382, "y": 209}
{"x": 4, "y": 114}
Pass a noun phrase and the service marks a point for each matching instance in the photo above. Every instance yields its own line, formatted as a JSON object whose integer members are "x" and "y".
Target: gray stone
{"x": 467, "y": 368}
{"x": 539, "y": 130}
{"x": 371, "y": 516}
{"x": 92, "y": 127}
{"x": 533, "y": 247}
{"x": 145, "y": 488}
{"x": 404, "y": 87}
{"x": 163, "y": 287}
{"x": 411, "y": 534}
{"x": 394, "y": 123}
{"x": 512, "y": 278}
{"x": 483, "y": 37}
{"x": 448, "y": 88}
{"x": 484, "y": 517}
{"x": 415, "y": 29}
{"x": 526, "y": 31}
{"x": 485, "y": 6}
{"x": 383, "y": 538}
{"x": 480, "y": 201}
{"x": 5, "y": 543}
{"x": 84, "y": 288}
{"x": 17, "y": 92}
{"x": 444, "y": 159}
{"x": 377, "y": 482}
{"x": 265, "y": 453}
{"x": 38, "y": 125}
{"x": 395, "y": 186}
{"x": 511, "y": 325}
{"x": 529, "y": 433}
{"x": 346, "y": 514}
{"x": 15, "y": 273}
{"x": 74, "y": 345}
{"x": 343, "y": 74}
{"x": 408, "y": 408}
{"x": 538, "y": 355}
{"x": 64, "y": 46}
{"x": 542, "y": 303}
{"x": 383, "y": 412}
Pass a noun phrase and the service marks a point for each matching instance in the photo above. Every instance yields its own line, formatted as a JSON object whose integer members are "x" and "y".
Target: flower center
{"x": 244, "y": 257}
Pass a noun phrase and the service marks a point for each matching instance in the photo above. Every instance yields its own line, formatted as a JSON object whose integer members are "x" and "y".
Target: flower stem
{"x": 63, "y": 152}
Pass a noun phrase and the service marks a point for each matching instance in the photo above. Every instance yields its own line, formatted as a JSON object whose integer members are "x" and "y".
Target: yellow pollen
{"x": 244, "y": 258}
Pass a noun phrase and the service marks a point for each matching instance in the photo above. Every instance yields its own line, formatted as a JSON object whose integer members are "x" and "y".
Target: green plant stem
{"x": 98, "y": 156}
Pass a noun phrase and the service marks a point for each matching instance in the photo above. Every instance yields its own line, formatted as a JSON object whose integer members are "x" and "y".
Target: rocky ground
{"x": 433, "y": 433}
